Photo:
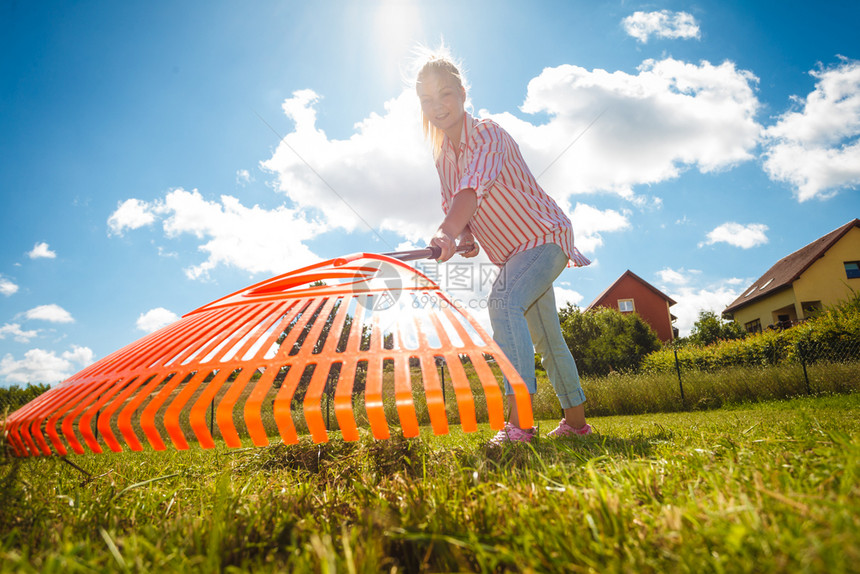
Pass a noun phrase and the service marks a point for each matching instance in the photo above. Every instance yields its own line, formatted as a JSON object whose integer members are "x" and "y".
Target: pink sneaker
{"x": 564, "y": 430}
{"x": 513, "y": 433}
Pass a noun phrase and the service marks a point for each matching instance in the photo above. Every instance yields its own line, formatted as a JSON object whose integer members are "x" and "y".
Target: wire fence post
{"x": 680, "y": 382}
{"x": 442, "y": 377}
{"x": 802, "y": 351}
{"x": 212, "y": 418}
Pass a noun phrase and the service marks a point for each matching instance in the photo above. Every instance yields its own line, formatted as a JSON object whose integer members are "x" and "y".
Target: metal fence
{"x": 708, "y": 378}
{"x": 807, "y": 360}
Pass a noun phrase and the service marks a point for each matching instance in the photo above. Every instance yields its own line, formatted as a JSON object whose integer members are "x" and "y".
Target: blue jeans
{"x": 524, "y": 318}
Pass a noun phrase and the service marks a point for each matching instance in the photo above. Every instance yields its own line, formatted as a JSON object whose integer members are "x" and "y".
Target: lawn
{"x": 765, "y": 487}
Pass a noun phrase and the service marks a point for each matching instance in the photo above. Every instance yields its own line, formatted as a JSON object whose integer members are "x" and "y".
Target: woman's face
{"x": 442, "y": 102}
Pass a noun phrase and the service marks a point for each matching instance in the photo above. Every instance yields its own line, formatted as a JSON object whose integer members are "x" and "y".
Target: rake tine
{"x": 168, "y": 381}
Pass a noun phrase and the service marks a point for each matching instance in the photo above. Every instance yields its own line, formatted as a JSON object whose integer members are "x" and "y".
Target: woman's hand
{"x": 468, "y": 240}
{"x": 445, "y": 242}
{"x": 448, "y": 246}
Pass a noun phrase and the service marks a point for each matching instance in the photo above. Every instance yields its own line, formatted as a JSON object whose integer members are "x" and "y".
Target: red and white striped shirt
{"x": 514, "y": 213}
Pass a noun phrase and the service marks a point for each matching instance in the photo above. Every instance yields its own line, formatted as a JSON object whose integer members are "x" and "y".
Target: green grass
{"x": 640, "y": 393}
{"x": 767, "y": 487}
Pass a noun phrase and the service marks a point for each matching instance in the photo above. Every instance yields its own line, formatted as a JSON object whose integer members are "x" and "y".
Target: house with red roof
{"x": 632, "y": 294}
{"x": 819, "y": 275}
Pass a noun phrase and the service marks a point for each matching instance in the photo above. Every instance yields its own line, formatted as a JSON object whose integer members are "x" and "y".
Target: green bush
{"x": 605, "y": 340}
{"x": 833, "y": 335}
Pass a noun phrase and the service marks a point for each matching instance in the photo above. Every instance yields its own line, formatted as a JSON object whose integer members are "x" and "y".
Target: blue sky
{"x": 143, "y": 171}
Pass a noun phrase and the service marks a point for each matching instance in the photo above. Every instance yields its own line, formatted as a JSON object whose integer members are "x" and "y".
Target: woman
{"x": 489, "y": 194}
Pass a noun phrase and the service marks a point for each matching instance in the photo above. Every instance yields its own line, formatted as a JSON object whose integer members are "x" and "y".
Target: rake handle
{"x": 431, "y": 252}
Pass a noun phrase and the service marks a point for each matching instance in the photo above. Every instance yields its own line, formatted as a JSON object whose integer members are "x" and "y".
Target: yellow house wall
{"x": 825, "y": 280}
{"x": 762, "y": 309}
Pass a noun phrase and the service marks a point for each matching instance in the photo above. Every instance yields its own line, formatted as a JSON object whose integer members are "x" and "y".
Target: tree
{"x": 710, "y": 328}
{"x": 603, "y": 340}
{"x": 14, "y": 397}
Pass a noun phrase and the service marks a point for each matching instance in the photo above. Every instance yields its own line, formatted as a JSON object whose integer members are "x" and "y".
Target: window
{"x": 625, "y": 305}
{"x": 852, "y": 269}
{"x": 753, "y": 326}
{"x": 810, "y": 307}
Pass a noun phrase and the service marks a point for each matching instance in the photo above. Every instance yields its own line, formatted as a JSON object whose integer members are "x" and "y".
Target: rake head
{"x": 353, "y": 329}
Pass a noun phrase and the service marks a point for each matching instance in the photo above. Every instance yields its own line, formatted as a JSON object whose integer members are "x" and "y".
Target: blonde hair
{"x": 438, "y": 61}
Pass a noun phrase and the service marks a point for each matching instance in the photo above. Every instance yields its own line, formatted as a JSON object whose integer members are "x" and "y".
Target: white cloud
{"x": 382, "y": 177}
{"x": 816, "y": 149}
{"x": 249, "y": 238}
{"x": 690, "y": 301}
{"x": 563, "y": 296}
{"x": 52, "y": 313}
{"x": 130, "y": 214}
{"x": 693, "y": 296}
{"x": 589, "y": 222}
{"x": 743, "y": 236}
{"x": 7, "y": 287}
{"x": 155, "y": 319}
{"x": 673, "y": 277}
{"x": 82, "y": 356}
{"x": 40, "y": 366}
{"x": 668, "y": 117}
{"x": 243, "y": 177}
{"x": 41, "y": 251}
{"x": 647, "y": 127}
{"x": 14, "y": 330}
{"x": 663, "y": 24}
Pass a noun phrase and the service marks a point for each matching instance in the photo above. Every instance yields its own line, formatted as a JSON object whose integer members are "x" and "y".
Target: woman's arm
{"x": 485, "y": 165}
{"x": 463, "y": 207}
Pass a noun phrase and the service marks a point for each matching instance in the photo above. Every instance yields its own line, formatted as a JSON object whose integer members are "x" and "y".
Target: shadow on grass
{"x": 574, "y": 450}
{"x": 369, "y": 459}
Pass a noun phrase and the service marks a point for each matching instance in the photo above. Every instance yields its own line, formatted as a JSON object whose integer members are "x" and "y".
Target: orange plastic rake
{"x": 242, "y": 358}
